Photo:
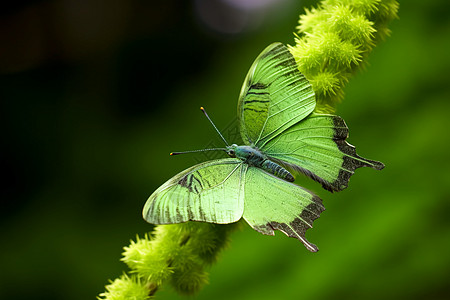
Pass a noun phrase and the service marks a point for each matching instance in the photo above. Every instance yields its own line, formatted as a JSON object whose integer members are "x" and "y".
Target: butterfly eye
{"x": 232, "y": 152}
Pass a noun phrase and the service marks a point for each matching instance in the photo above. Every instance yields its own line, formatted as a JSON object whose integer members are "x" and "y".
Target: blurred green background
{"x": 95, "y": 94}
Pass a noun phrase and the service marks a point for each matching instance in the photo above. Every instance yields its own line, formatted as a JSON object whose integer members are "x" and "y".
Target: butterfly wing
{"x": 275, "y": 204}
{"x": 317, "y": 147}
{"x": 274, "y": 96}
{"x": 212, "y": 192}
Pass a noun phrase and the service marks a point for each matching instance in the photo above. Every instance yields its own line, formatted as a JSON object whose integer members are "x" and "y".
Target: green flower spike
{"x": 334, "y": 41}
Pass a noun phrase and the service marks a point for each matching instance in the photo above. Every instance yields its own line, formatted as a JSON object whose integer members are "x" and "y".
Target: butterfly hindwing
{"x": 275, "y": 204}
{"x": 317, "y": 147}
{"x": 274, "y": 96}
{"x": 212, "y": 191}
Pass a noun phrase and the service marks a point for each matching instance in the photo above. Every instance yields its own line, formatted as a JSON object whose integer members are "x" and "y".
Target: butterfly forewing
{"x": 274, "y": 96}
{"x": 210, "y": 192}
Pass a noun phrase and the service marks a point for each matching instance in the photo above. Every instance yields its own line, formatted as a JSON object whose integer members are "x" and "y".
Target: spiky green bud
{"x": 125, "y": 288}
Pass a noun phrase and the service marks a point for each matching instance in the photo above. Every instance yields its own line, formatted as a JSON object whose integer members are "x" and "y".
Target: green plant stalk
{"x": 332, "y": 43}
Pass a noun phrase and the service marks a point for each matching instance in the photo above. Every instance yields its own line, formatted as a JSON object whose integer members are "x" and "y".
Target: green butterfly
{"x": 282, "y": 135}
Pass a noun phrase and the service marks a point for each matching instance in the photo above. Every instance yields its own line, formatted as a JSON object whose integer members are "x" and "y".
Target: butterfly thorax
{"x": 255, "y": 158}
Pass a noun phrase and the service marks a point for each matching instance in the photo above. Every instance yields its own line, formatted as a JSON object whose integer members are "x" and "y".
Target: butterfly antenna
{"x": 204, "y": 111}
{"x": 202, "y": 150}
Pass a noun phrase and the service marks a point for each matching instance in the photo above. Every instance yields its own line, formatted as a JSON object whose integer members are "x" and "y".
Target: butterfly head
{"x": 231, "y": 150}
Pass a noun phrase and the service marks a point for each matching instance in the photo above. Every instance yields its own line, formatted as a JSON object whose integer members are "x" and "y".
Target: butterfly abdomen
{"x": 277, "y": 170}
